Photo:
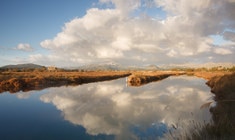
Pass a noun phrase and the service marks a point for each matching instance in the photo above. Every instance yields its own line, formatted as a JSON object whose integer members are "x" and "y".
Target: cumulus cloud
{"x": 118, "y": 108}
{"x": 115, "y": 34}
{"x": 24, "y": 47}
{"x": 222, "y": 51}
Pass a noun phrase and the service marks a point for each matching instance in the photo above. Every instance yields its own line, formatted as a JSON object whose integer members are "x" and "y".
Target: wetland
{"x": 162, "y": 105}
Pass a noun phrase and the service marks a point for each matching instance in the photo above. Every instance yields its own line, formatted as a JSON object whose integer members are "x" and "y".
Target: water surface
{"x": 105, "y": 110}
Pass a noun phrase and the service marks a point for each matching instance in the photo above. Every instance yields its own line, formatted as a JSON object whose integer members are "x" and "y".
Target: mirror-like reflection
{"x": 149, "y": 111}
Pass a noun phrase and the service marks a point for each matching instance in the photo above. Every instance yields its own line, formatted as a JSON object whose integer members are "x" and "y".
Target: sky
{"x": 70, "y": 33}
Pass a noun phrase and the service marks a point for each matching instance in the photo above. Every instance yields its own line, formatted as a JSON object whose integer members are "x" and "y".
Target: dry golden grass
{"x": 139, "y": 78}
{"x": 9, "y": 75}
{"x": 16, "y": 81}
{"x": 208, "y": 75}
{"x": 156, "y": 73}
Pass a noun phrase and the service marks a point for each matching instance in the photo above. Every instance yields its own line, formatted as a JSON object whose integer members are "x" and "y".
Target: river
{"x": 107, "y": 110}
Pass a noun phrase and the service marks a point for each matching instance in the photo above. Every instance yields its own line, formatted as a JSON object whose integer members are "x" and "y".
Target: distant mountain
{"x": 23, "y": 66}
{"x": 115, "y": 66}
{"x": 93, "y": 67}
{"x": 204, "y": 65}
{"x": 152, "y": 67}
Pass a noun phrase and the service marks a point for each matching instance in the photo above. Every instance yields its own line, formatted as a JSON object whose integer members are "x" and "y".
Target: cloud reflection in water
{"x": 112, "y": 108}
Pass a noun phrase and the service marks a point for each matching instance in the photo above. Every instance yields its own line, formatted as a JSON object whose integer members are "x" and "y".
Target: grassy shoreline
{"x": 25, "y": 81}
{"x": 222, "y": 126}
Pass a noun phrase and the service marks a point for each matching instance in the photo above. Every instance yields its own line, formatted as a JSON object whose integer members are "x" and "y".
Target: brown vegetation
{"x": 223, "y": 126}
{"x": 142, "y": 77}
{"x": 25, "y": 81}
{"x": 223, "y": 86}
{"x": 224, "y": 112}
{"x": 208, "y": 74}
{"x": 34, "y": 80}
{"x": 224, "y": 89}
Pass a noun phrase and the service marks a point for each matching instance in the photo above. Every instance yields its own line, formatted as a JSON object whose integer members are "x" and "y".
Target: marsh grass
{"x": 25, "y": 81}
{"x": 139, "y": 80}
{"x": 201, "y": 131}
{"x": 221, "y": 127}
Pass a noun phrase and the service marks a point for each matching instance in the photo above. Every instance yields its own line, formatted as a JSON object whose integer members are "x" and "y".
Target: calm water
{"x": 105, "y": 110}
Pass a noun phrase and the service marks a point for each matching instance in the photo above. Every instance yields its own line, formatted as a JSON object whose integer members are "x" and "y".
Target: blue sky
{"x": 31, "y": 21}
{"x": 136, "y": 32}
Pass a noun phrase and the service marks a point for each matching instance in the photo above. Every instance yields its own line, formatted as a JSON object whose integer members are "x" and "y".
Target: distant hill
{"x": 23, "y": 66}
{"x": 152, "y": 67}
{"x": 93, "y": 67}
{"x": 115, "y": 66}
{"x": 192, "y": 65}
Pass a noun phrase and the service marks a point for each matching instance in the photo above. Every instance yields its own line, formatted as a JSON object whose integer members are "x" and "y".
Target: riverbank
{"x": 223, "y": 87}
{"x": 26, "y": 81}
{"x": 139, "y": 78}
{"x": 223, "y": 126}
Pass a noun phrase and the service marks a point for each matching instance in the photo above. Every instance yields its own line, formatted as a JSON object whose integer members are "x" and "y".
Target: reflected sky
{"x": 112, "y": 108}
{"x": 23, "y": 116}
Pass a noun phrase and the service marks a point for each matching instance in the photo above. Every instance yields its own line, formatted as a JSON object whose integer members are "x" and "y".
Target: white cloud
{"x": 122, "y": 99}
{"x": 115, "y": 34}
{"x": 172, "y": 53}
{"x": 24, "y": 47}
{"x": 222, "y": 51}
